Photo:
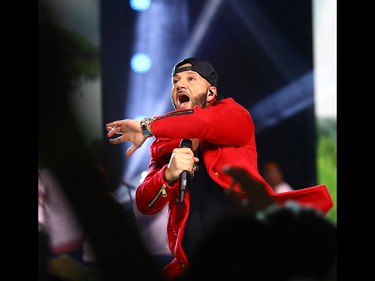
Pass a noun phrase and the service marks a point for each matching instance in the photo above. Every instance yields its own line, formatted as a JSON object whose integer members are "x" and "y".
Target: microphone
{"x": 185, "y": 176}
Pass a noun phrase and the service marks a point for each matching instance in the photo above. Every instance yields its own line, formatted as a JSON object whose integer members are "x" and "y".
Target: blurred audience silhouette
{"x": 69, "y": 253}
{"x": 57, "y": 219}
{"x": 287, "y": 242}
{"x": 274, "y": 241}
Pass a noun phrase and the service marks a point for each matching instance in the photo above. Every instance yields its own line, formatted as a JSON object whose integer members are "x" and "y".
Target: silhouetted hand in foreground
{"x": 255, "y": 197}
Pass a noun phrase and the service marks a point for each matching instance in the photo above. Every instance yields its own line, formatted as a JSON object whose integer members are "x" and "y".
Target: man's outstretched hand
{"x": 129, "y": 130}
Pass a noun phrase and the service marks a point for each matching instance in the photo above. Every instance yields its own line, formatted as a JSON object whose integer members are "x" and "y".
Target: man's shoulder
{"x": 228, "y": 101}
{"x": 225, "y": 100}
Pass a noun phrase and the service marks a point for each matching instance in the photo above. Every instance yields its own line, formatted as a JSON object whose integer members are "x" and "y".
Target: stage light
{"x": 284, "y": 103}
{"x": 140, "y": 5}
{"x": 140, "y": 63}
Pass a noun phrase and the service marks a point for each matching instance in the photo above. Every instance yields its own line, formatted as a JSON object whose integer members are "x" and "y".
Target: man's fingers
{"x": 238, "y": 174}
{"x": 258, "y": 197}
{"x": 112, "y": 131}
{"x": 130, "y": 151}
{"x": 117, "y": 140}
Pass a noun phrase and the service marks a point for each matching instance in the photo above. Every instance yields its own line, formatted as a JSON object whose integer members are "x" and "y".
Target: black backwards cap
{"x": 204, "y": 68}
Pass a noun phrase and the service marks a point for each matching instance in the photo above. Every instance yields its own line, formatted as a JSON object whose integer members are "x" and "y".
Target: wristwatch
{"x": 144, "y": 122}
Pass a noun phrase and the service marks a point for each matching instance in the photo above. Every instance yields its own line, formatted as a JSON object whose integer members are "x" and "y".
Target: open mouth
{"x": 183, "y": 100}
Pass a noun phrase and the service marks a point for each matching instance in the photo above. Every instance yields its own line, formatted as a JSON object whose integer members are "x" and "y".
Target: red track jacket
{"x": 226, "y": 137}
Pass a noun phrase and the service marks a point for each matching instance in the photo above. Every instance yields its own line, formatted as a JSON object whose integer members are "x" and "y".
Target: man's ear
{"x": 211, "y": 94}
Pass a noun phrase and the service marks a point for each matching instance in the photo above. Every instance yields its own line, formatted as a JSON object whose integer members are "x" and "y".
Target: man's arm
{"x": 225, "y": 123}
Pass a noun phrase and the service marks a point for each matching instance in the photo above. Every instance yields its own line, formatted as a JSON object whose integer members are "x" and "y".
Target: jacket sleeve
{"x": 225, "y": 123}
{"x": 154, "y": 192}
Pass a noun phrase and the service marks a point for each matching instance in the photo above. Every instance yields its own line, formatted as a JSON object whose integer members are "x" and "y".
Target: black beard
{"x": 200, "y": 100}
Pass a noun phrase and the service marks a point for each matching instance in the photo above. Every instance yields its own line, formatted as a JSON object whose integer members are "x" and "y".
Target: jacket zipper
{"x": 161, "y": 191}
{"x": 174, "y": 113}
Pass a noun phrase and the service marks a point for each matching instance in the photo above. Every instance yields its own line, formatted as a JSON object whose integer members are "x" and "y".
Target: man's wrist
{"x": 170, "y": 183}
{"x": 145, "y": 122}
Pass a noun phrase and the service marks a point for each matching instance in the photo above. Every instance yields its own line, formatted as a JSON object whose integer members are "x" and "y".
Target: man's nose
{"x": 180, "y": 84}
